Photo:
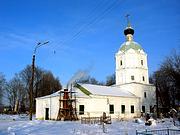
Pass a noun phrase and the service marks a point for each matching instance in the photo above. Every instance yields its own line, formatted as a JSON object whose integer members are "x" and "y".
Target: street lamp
{"x": 32, "y": 78}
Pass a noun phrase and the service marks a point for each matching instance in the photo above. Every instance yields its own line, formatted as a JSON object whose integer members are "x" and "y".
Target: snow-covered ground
{"x": 20, "y": 125}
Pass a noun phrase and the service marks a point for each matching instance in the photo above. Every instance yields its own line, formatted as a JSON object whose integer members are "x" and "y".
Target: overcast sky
{"x": 84, "y": 34}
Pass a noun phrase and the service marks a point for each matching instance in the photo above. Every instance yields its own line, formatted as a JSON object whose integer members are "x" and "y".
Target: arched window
{"x": 121, "y": 62}
{"x": 111, "y": 109}
{"x": 122, "y": 108}
{"x": 145, "y": 95}
{"x": 143, "y": 78}
{"x": 143, "y": 109}
{"x": 132, "y": 108}
{"x": 142, "y": 62}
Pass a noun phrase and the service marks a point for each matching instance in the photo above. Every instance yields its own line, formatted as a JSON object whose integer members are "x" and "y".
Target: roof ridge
{"x": 82, "y": 89}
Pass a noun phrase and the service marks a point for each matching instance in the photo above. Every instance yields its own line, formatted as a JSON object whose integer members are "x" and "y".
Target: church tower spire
{"x": 129, "y": 31}
{"x": 131, "y": 60}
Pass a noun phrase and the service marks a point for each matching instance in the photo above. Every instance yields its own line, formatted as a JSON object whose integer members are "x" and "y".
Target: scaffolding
{"x": 67, "y": 105}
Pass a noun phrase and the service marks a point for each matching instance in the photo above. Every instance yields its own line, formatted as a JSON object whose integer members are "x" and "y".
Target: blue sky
{"x": 84, "y": 34}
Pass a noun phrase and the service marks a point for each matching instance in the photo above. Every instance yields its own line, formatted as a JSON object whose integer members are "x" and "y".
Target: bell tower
{"x": 131, "y": 60}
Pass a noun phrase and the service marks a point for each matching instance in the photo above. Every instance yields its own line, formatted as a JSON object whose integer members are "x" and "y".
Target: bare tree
{"x": 17, "y": 88}
{"x": 88, "y": 80}
{"x": 16, "y": 93}
{"x": 110, "y": 80}
{"x": 25, "y": 76}
{"x": 44, "y": 83}
{"x": 2, "y": 84}
{"x": 47, "y": 84}
{"x": 167, "y": 81}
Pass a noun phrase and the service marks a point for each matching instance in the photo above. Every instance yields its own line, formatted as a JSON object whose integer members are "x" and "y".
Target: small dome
{"x": 130, "y": 45}
{"x": 129, "y": 30}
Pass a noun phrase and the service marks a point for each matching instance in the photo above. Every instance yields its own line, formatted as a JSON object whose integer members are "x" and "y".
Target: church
{"x": 128, "y": 98}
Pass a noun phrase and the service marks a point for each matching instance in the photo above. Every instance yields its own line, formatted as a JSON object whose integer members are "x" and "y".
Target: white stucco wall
{"x": 138, "y": 90}
{"x": 99, "y": 104}
{"x": 51, "y": 103}
{"x": 131, "y": 66}
{"x": 94, "y": 106}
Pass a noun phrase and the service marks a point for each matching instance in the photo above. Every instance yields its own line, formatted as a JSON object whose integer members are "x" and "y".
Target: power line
{"x": 94, "y": 20}
{"x": 92, "y": 12}
{"x": 89, "y": 16}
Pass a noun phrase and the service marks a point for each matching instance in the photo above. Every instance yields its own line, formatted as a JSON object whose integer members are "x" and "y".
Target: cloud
{"x": 15, "y": 40}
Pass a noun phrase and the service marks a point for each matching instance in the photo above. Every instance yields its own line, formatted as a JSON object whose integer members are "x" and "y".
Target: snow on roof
{"x": 87, "y": 90}
{"x": 51, "y": 95}
{"x": 107, "y": 90}
{"x": 57, "y": 93}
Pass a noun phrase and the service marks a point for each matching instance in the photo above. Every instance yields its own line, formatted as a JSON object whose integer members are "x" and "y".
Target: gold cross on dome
{"x": 128, "y": 22}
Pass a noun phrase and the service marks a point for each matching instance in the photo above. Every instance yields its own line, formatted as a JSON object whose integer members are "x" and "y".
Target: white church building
{"x": 131, "y": 95}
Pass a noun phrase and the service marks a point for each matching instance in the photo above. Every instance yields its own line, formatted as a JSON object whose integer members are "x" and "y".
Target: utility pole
{"x": 31, "y": 89}
{"x": 31, "y": 94}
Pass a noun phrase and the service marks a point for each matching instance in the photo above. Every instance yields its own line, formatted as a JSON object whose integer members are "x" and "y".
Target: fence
{"x": 95, "y": 120}
{"x": 159, "y": 132}
{"x": 90, "y": 120}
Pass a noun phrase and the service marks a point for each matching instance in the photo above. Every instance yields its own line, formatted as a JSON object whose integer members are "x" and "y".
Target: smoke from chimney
{"x": 77, "y": 76}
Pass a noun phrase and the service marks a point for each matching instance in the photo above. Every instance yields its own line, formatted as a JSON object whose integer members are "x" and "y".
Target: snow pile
{"x": 152, "y": 122}
{"x": 138, "y": 120}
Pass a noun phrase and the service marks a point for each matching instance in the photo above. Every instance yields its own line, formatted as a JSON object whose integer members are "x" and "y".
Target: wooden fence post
{"x": 167, "y": 131}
